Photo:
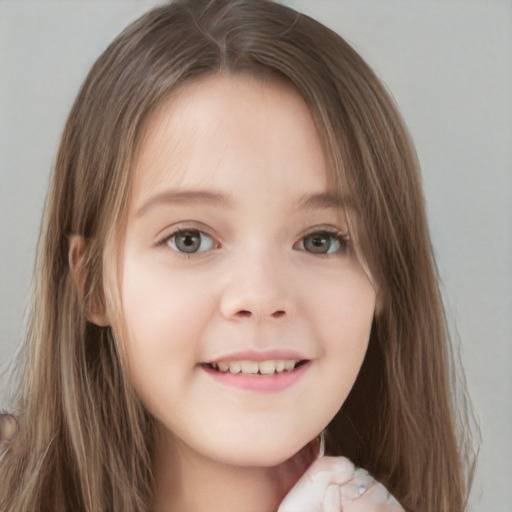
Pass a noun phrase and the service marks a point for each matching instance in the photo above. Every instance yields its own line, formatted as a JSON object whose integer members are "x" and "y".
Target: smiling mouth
{"x": 263, "y": 368}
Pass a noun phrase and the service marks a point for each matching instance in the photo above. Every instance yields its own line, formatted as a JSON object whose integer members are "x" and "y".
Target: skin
{"x": 9, "y": 428}
{"x": 253, "y": 285}
{"x": 333, "y": 484}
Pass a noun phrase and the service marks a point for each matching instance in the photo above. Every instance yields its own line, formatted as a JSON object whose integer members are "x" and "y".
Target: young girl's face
{"x": 236, "y": 260}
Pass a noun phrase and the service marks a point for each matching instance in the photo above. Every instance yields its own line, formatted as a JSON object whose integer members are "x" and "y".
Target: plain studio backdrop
{"x": 448, "y": 64}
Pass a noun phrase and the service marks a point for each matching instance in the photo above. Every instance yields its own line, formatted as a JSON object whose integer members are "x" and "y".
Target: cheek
{"x": 163, "y": 319}
{"x": 165, "y": 303}
{"x": 344, "y": 317}
{"x": 344, "y": 311}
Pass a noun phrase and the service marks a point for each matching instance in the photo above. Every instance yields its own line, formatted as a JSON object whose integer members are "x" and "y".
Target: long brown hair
{"x": 85, "y": 439}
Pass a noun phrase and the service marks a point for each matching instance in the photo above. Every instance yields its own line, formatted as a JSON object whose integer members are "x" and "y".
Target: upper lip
{"x": 266, "y": 355}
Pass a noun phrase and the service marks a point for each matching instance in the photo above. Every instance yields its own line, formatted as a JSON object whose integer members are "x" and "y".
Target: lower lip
{"x": 268, "y": 383}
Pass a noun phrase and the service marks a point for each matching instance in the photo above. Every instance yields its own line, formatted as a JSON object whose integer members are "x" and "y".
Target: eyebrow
{"x": 325, "y": 200}
{"x": 182, "y": 197}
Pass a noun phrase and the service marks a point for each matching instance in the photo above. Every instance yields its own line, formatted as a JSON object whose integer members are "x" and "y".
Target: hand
{"x": 333, "y": 484}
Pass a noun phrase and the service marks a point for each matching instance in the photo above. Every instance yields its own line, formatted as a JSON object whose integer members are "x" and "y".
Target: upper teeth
{"x": 254, "y": 367}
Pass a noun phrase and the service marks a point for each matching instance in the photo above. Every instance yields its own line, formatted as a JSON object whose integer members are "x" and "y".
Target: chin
{"x": 271, "y": 454}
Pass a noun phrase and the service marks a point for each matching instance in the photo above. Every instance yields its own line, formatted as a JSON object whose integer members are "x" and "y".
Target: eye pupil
{"x": 188, "y": 241}
{"x": 317, "y": 243}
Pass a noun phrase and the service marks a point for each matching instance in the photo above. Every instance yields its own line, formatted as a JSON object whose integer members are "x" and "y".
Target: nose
{"x": 258, "y": 289}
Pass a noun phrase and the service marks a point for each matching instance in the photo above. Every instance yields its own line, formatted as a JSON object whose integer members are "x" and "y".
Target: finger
{"x": 332, "y": 499}
{"x": 311, "y": 491}
{"x": 358, "y": 485}
{"x": 375, "y": 498}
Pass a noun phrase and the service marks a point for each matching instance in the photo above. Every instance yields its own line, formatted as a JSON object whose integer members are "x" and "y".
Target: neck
{"x": 189, "y": 482}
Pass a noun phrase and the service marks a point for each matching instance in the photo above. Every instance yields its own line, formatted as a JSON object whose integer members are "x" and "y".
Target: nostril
{"x": 247, "y": 313}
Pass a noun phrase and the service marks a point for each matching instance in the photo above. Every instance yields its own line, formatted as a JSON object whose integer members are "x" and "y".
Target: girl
{"x": 234, "y": 263}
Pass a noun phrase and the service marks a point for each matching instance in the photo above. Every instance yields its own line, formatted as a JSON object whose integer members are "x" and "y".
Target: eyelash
{"x": 167, "y": 240}
{"x": 342, "y": 239}
{"x": 334, "y": 235}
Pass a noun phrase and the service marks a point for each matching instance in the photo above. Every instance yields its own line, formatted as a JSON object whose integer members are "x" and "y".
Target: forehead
{"x": 229, "y": 130}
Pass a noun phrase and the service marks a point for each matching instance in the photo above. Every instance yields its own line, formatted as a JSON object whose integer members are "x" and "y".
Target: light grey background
{"x": 448, "y": 63}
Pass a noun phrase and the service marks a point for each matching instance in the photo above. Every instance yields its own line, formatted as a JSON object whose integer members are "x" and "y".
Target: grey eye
{"x": 323, "y": 242}
{"x": 190, "y": 241}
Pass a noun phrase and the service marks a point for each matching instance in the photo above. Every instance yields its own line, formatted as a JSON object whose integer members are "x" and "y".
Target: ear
{"x": 95, "y": 309}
